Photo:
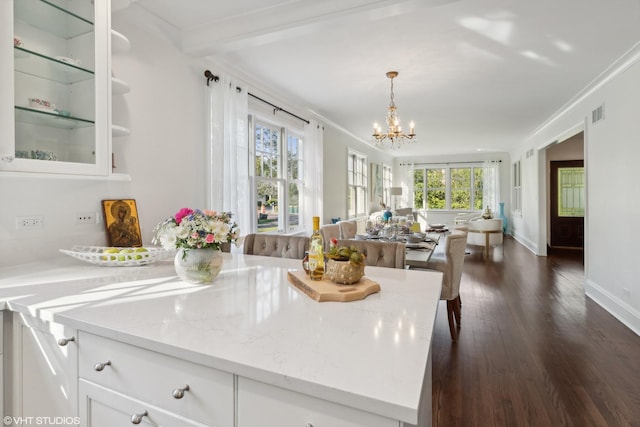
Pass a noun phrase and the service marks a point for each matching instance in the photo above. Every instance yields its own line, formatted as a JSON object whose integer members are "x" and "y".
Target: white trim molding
{"x": 619, "y": 309}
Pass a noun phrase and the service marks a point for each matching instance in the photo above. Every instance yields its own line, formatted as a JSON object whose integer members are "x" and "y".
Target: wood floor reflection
{"x": 533, "y": 349}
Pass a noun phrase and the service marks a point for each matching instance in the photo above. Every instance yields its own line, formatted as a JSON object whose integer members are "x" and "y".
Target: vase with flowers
{"x": 198, "y": 235}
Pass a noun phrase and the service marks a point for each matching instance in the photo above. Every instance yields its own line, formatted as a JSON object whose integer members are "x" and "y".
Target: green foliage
{"x": 346, "y": 253}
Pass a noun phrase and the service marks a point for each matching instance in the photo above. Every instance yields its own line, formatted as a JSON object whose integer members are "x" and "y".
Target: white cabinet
{"x": 263, "y": 404}
{"x": 44, "y": 369}
{"x": 103, "y": 407}
{"x": 123, "y": 380}
{"x": 119, "y": 45}
{"x": 57, "y": 84}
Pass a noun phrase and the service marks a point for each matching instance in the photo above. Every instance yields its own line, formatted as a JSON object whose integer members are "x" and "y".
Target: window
{"x": 357, "y": 185}
{"x": 449, "y": 188}
{"x": 517, "y": 188}
{"x": 278, "y": 171}
{"x": 571, "y": 192}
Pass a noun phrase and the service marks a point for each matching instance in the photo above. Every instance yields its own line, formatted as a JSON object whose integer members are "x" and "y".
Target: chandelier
{"x": 394, "y": 131}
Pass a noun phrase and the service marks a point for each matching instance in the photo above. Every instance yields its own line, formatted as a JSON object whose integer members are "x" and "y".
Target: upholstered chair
{"x": 486, "y": 233}
{"x": 451, "y": 265}
{"x": 379, "y": 254}
{"x": 407, "y": 212}
{"x": 328, "y": 232}
{"x": 348, "y": 229}
{"x": 275, "y": 245}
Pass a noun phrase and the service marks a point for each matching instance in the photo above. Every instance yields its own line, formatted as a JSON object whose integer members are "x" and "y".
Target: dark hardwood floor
{"x": 533, "y": 350}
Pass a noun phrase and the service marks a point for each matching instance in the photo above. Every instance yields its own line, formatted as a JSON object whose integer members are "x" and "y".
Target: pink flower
{"x": 182, "y": 213}
{"x": 334, "y": 241}
{"x": 210, "y": 238}
{"x": 195, "y": 235}
{"x": 210, "y": 213}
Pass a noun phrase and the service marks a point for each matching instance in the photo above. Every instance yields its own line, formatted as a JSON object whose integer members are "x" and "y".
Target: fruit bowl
{"x": 118, "y": 257}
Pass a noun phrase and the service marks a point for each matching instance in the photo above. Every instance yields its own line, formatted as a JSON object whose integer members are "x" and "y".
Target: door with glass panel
{"x": 567, "y": 204}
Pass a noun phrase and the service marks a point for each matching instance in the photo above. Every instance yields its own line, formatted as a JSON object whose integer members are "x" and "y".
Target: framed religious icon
{"x": 121, "y": 222}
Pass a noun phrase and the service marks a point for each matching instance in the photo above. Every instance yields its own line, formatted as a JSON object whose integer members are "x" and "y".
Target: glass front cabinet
{"x": 56, "y": 87}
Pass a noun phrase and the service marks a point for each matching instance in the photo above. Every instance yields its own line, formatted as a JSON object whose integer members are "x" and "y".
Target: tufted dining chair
{"x": 275, "y": 245}
{"x": 379, "y": 254}
{"x": 451, "y": 265}
{"x": 348, "y": 229}
{"x": 329, "y": 231}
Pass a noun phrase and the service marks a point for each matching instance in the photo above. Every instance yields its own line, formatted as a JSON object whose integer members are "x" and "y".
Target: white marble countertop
{"x": 369, "y": 354}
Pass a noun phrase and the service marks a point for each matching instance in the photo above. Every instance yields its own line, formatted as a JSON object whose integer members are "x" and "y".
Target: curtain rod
{"x": 448, "y": 163}
{"x": 212, "y": 77}
{"x": 276, "y": 108}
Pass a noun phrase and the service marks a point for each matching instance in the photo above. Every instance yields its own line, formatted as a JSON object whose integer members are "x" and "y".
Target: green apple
{"x": 138, "y": 250}
{"x": 110, "y": 251}
{"x": 122, "y": 256}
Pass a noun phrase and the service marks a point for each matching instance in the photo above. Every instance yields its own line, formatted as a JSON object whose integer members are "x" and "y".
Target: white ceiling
{"x": 473, "y": 74}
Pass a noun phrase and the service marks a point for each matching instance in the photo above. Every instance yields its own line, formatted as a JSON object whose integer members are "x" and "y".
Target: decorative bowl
{"x": 121, "y": 258}
{"x": 437, "y": 226}
{"x": 412, "y": 238}
{"x": 343, "y": 272}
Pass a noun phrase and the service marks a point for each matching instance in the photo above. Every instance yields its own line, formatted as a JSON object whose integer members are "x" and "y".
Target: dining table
{"x": 418, "y": 250}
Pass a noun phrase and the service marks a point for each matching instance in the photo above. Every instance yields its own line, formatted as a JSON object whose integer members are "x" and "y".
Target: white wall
{"x": 612, "y": 150}
{"x": 162, "y": 155}
{"x": 336, "y": 146}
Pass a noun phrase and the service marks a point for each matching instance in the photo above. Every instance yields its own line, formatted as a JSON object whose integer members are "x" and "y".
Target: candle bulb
{"x": 411, "y": 128}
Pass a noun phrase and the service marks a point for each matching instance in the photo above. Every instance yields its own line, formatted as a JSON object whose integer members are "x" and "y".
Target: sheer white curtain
{"x": 313, "y": 164}
{"x": 227, "y": 168}
{"x": 410, "y": 185}
{"x": 491, "y": 185}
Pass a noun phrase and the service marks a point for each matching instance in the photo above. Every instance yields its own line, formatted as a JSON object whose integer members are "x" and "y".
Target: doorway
{"x": 565, "y": 192}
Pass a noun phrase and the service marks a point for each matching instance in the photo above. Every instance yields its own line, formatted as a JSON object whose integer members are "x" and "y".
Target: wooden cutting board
{"x": 326, "y": 290}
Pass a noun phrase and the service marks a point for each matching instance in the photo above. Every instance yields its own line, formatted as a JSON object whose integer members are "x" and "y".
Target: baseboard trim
{"x": 627, "y": 315}
{"x": 526, "y": 242}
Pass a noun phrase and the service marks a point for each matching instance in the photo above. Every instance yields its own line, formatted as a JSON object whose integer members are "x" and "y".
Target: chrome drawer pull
{"x": 179, "y": 392}
{"x": 100, "y": 366}
{"x": 64, "y": 341}
{"x": 137, "y": 418}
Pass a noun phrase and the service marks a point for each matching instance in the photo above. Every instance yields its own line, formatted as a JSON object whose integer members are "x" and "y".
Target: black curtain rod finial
{"x": 210, "y": 76}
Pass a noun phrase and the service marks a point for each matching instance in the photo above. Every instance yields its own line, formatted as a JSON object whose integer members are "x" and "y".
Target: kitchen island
{"x": 251, "y": 334}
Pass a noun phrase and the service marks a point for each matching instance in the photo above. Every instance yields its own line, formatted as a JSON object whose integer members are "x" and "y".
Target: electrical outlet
{"x": 85, "y": 218}
{"x": 29, "y": 222}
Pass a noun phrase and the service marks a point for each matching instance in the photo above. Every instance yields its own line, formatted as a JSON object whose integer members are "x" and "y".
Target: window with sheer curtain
{"x": 253, "y": 162}
{"x": 456, "y": 187}
{"x": 357, "y": 184}
{"x": 279, "y": 169}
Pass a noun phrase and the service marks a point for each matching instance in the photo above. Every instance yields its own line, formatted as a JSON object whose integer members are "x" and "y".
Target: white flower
{"x": 168, "y": 238}
{"x": 220, "y": 230}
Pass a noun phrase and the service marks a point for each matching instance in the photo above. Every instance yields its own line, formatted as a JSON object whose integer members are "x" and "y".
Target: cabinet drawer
{"x": 153, "y": 377}
{"x": 262, "y": 404}
{"x": 103, "y": 407}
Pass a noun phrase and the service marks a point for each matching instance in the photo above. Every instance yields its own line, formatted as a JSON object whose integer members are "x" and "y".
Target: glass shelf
{"x": 52, "y": 18}
{"x": 50, "y": 119}
{"x": 46, "y": 67}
